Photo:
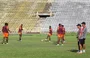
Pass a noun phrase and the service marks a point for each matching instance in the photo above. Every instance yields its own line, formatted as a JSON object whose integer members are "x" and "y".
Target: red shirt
{"x": 63, "y": 30}
{"x": 5, "y": 29}
{"x": 50, "y": 31}
{"x": 80, "y": 31}
{"x": 60, "y": 30}
{"x": 20, "y": 29}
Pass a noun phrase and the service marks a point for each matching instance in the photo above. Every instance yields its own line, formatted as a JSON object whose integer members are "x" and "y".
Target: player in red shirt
{"x": 5, "y": 30}
{"x": 60, "y": 34}
{"x": 20, "y": 32}
{"x": 63, "y": 33}
{"x": 49, "y": 34}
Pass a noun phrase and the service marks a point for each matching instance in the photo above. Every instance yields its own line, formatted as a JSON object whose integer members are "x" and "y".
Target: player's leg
{"x": 80, "y": 44}
{"x": 78, "y": 47}
{"x": 6, "y": 40}
{"x": 20, "y": 36}
{"x": 3, "y": 40}
{"x": 62, "y": 42}
{"x": 4, "y": 36}
{"x": 49, "y": 38}
{"x": 63, "y": 38}
{"x": 84, "y": 46}
{"x": 58, "y": 41}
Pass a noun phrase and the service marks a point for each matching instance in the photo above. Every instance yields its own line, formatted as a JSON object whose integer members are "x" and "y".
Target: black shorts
{"x": 81, "y": 41}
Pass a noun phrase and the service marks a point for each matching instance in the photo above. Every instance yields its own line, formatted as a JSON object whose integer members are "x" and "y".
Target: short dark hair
{"x": 83, "y": 23}
{"x": 21, "y": 24}
{"x": 60, "y": 24}
{"x": 6, "y": 24}
{"x": 79, "y": 25}
{"x": 49, "y": 26}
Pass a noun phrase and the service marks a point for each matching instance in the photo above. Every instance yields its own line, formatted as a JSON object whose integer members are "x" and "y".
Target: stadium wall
{"x": 69, "y": 13}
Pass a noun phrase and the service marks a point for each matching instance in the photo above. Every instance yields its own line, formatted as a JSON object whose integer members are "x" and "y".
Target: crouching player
{"x": 49, "y": 34}
{"x": 5, "y": 30}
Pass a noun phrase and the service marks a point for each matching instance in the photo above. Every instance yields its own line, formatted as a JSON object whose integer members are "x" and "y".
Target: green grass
{"x": 32, "y": 47}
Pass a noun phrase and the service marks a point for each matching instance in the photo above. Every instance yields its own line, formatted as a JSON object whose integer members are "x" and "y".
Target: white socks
{"x": 83, "y": 51}
{"x": 80, "y": 51}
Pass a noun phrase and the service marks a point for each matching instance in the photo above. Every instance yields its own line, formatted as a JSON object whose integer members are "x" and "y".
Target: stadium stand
{"x": 17, "y": 12}
{"x": 68, "y": 13}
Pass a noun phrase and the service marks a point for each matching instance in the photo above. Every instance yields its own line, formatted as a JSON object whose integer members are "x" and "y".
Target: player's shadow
{"x": 54, "y": 42}
{"x": 73, "y": 50}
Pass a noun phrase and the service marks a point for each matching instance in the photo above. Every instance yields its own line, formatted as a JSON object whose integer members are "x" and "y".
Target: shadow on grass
{"x": 54, "y": 42}
{"x": 73, "y": 50}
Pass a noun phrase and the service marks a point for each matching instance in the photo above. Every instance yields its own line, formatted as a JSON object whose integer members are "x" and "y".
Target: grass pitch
{"x": 32, "y": 47}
